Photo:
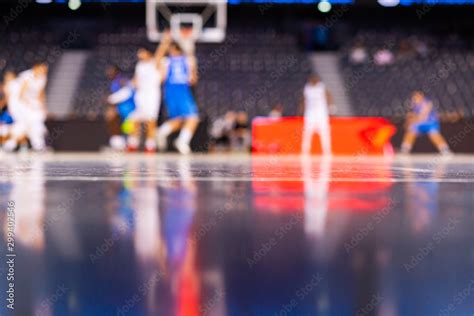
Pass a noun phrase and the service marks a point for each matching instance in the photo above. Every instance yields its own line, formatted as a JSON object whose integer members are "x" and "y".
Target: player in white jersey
{"x": 317, "y": 103}
{"x": 28, "y": 105}
{"x": 8, "y": 95}
{"x": 12, "y": 91}
{"x": 147, "y": 82}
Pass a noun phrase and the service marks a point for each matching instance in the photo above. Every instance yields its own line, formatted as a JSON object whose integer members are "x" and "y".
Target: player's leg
{"x": 18, "y": 128}
{"x": 408, "y": 141}
{"x": 5, "y": 123}
{"x": 23, "y": 143}
{"x": 165, "y": 130}
{"x": 153, "y": 110}
{"x": 112, "y": 122}
{"x": 325, "y": 138}
{"x": 308, "y": 131}
{"x": 138, "y": 117}
{"x": 18, "y": 132}
{"x": 439, "y": 141}
{"x": 133, "y": 140}
{"x": 187, "y": 132}
{"x": 150, "y": 142}
{"x": 36, "y": 132}
{"x": 4, "y": 131}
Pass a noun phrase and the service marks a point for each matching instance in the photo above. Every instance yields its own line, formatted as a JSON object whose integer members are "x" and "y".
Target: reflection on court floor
{"x": 224, "y": 235}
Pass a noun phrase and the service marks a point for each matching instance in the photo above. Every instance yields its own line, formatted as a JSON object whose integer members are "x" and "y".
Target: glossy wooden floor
{"x": 116, "y": 234}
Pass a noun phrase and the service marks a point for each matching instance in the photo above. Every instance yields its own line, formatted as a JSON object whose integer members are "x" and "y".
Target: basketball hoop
{"x": 206, "y": 18}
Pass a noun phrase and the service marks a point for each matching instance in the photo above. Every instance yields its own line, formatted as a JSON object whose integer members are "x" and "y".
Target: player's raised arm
{"x": 162, "y": 48}
{"x": 163, "y": 68}
{"x": 193, "y": 73}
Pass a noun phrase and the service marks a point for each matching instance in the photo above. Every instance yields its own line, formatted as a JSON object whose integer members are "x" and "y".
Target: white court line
{"x": 241, "y": 179}
{"x": 232, "y": 157}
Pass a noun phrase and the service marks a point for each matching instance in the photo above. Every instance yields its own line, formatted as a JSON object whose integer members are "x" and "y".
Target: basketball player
{"x": 124, "y": 102}
{"x": 423, "y": 119}
{"x": 180, "y": 74}
{"x": 6, "y": 119}
{"x": 147, "y": 81}
{"x": 11, "y": 87}
{"x": 30, "y": 109}
{"x": 317, "y": 103}
{"x": 119, "y": 107}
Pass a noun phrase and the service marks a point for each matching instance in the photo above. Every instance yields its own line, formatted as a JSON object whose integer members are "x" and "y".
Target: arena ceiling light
{"x": 324, "y": 6}
{"x": 74, "y": 4}
{"x": 388, "y": 3}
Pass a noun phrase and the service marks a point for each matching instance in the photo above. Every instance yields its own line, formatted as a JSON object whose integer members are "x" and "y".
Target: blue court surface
{"x": 120, "y": 234}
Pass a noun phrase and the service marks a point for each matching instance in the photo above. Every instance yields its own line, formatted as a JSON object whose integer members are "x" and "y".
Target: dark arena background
{"x": 240, "y": 157}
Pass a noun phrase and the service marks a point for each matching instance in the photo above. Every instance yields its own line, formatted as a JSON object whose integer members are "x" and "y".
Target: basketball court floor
{"x": 114, "y": 234}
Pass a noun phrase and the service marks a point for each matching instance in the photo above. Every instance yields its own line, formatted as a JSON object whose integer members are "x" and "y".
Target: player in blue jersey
{"x": 122, "y": 104}
{"x": 423, "y": 119}
{"x": 180, "y": 71}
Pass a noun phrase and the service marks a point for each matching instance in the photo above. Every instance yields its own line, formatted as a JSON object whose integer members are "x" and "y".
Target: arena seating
{"x": 258, "y": 71}
{"x": 22, "y": 47}
{"x": 445, "y": 73}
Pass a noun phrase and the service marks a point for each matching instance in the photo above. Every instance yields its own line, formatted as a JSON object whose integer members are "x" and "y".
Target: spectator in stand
{"x": 405, "y": 49}
{"x": 241, "y": 138}
{"x": 358, "y": 54}
{"x": 383, "y": 57}
{"x": 421, "y": 48}
{"x": 276, "y": 112}
{"x": 221, "y": 131}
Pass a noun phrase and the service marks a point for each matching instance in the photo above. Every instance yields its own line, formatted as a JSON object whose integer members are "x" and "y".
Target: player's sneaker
{"x": 161, "y": 142}
{"x": 132, "y": 149}
{"x": 150, "y": 146}
{"x": 133, "y": 143}
{"x": 23, "y": 149}
{"x": 405, "y": 150}
{"x": 182, "y": 147}
{"x": 117, "y": 142}
{"x": 10, "y": 145}
{"x": 446, "y": 152}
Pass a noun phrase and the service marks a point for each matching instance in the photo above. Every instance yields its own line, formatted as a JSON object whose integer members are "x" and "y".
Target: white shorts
{"x": 17, "y": 110}
{"x": 318, "y": 125}
{"x": 29, "y": 123}
{"x": 147, "y": 106}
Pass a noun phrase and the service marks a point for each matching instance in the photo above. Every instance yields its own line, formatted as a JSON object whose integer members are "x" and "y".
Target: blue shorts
{"x": 125, "y": 108}
{"x": 425, "y": 127}
{"x": 5, "y": 118}
{"x": 180, "y": 101}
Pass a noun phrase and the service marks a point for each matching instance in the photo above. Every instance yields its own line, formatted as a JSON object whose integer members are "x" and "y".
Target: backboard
{"x": 207, "y": 19}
